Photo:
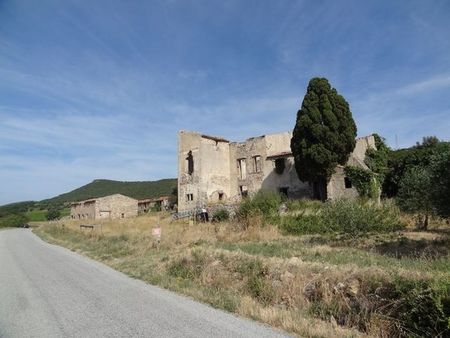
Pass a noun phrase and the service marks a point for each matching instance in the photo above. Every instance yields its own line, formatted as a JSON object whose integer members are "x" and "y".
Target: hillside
{"x": 99, "y": 188}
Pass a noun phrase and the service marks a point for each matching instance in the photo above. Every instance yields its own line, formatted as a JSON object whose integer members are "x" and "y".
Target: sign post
{"x": 157, "y": 233}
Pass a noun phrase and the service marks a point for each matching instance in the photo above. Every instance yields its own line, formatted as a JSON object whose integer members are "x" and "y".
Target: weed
{"x": 221, "y": 215}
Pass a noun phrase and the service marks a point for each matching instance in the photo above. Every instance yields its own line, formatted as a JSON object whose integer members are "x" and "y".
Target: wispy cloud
{"x": 100, "y": 89}
{"x": 436, "y": 82}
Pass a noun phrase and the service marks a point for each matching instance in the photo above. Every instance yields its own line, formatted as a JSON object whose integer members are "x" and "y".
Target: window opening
{"x": 280, "y": 164}
{"x": 190, "y": 163}
{"x": 347, "y": 182}
{"x": 242, "y": 168}
{"x": 257, "y": 163}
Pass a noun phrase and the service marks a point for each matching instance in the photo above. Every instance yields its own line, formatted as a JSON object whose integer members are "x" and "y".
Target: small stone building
{"x": 108, "y": 207}
{"x": 160, "y": 203}
{"x": 212, "y": 169}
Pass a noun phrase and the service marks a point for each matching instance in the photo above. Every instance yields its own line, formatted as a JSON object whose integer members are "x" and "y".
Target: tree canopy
{"x": 324, "y": 133}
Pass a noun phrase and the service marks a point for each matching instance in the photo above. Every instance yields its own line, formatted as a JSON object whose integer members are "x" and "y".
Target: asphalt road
{"x": 49, "y": 291}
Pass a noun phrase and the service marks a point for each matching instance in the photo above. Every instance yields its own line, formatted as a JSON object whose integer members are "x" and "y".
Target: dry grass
{"x": 305, "y": 285}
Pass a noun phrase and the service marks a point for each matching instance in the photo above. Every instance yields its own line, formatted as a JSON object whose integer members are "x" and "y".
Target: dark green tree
{"x": 401, "y": 160}
{"x": 440, "y": 181}
{"x": 415, "y": 194}
{"x": 53, "y": 214}
{"x": 324, "y": 135}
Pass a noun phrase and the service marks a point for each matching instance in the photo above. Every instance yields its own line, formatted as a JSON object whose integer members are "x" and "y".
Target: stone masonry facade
{"x": 108, "y": 207}
{"x": 213, "y": 170}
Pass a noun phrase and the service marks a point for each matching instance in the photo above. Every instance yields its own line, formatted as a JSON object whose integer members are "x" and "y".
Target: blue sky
{"x": 99, "y": 89}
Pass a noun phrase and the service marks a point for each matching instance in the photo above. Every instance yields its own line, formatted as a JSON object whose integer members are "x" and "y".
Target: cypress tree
{"x": 324, "y": 135}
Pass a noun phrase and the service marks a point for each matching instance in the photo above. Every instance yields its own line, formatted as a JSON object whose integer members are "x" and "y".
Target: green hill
{"x": 100, "y": 188}
{"x": 97, "y": 188}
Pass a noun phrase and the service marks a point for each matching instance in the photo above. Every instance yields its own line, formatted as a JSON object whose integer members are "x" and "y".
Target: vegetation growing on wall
{"x": 365, "y": 181}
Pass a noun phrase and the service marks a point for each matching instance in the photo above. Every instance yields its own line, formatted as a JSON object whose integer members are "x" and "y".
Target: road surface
{"x": 49, "y": 291}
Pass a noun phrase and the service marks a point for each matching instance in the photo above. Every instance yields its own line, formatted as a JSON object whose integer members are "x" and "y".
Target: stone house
{"x": 108, "y": 207}
{"x": 160, "y": 203}
{"x": 212, "y": 169}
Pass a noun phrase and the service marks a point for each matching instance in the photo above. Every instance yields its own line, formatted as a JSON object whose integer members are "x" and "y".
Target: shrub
{"x": 304, "y": 205}
{"x": 221, "y": 215}
{"x": 52, "y": 214}
{"x": 14, "y": 220}
{"x": 265, "y": 203}
{"x": 345, "y": 216}
{"x": 303, "y": 224}
{"x": 353, "y": 217}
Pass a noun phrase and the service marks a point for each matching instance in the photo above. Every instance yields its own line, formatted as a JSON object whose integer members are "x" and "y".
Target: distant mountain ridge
{"x": 97, "y": 188}
{"x": 102, "y": 187}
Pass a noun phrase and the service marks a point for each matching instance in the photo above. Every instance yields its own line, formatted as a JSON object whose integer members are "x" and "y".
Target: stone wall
{"x": 225, "y": 171}
{"x": 108, "y": 207}
{"x": 83, "y": 210}
{"x": 210, "y": 178}
{"x": 116, "y": 206}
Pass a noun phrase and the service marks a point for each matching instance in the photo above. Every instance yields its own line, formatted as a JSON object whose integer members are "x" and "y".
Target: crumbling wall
{"x": 83, "y": 210}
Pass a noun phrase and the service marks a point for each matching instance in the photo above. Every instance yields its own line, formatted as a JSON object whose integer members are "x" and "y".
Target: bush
{"x": 352, "y": 217}
{"x": 264, "y": 203}
{"x": 14, "y": 220}
{"x": 52, "y": 214}
{"x": 221, "y": 215}
{"x": 345, "y": 216}
{"x": 304, "y": 205}
{"x": 303, "y": 224}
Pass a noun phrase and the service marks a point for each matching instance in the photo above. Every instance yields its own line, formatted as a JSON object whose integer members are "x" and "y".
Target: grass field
{"x": 37, "y": 215}
{"x": 315, "y": 286}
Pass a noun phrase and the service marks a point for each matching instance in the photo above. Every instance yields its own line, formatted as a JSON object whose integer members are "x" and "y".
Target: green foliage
{"x": 324, "y": 133}
{"x": 400, "y": 161}
{"x": 425, "y": 189}
{"x": 36, "y": 215}
{"x": 304, "y": 224}
{"x": 221, "y": 215}
{"x": 415, "y": 308}
{"x": 365, "y": 181}
{"x": 264, "y": 202}
{"x": 173, "y": 197}
{"x": 415, "y": 192}
{"x": 13, "y": 220}
{"x": 377, "y": 159}
{"x": 420, "y": 307}
{"x": 440, "y": 180}
{"x": 16, "y": 208}
{"x": 52, "y": 214}
{"x": 345, "y": 217}
{"x": 156, "y": 208}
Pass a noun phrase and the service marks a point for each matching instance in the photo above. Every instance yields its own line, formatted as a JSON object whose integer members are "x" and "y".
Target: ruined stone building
{"x": 108, "y": 207}
{"x": 214, "y": 170}
{"x": 159, "y": 203}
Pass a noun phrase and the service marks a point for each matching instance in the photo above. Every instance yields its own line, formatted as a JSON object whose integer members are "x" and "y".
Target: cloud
{"x": 435, "y": 82}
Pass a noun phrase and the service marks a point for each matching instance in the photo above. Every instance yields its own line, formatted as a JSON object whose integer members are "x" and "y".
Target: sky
{"x": 100, "y": 89}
